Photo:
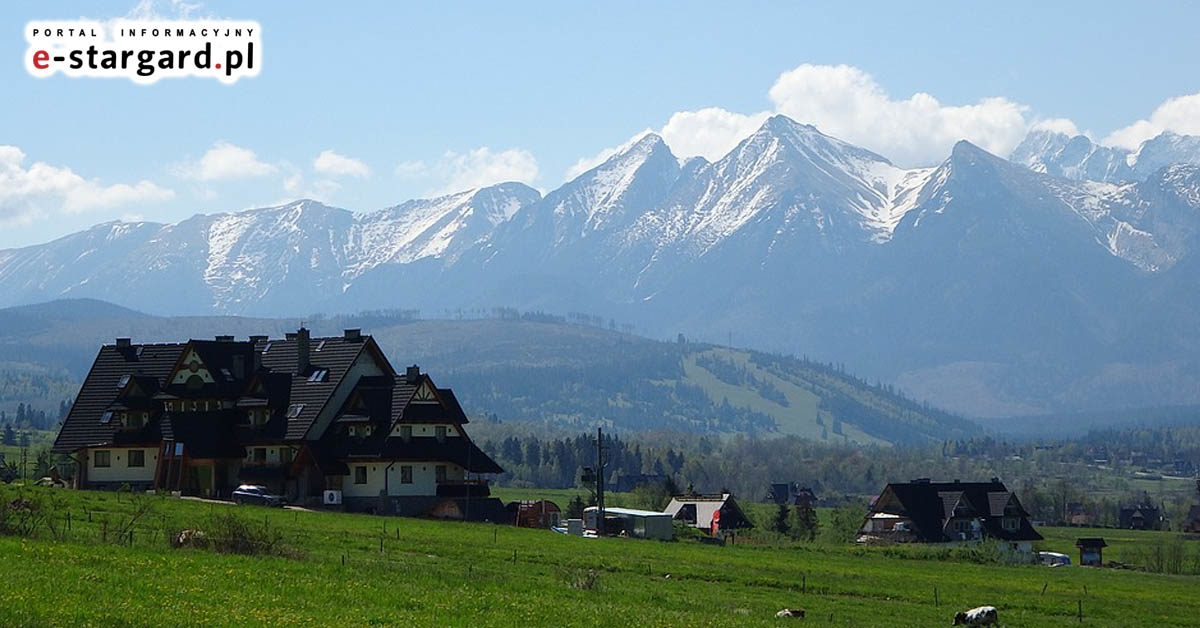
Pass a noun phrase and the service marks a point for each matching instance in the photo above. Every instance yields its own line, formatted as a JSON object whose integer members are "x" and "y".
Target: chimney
{"x": 352, "y": 335}
{"x": 412, "y": 374}
{"x": 224, "y": 338}
{"x": 302, "y": 351}
{"x": 123, "y": 343}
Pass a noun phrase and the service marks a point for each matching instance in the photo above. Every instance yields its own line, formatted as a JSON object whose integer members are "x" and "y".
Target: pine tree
{"x": 10, "y": 437}
{"x": 807, "y": 524}
{"x": 780, "y": 524}
{"x": 575, "y": 508}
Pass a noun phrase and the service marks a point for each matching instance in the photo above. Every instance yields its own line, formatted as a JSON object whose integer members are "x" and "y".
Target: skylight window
{"x": 106, "y": 417}
{"x": 226, "y": 373}
{"x": 294, "y": 410}
{"x": 320, "y": 345}
{"x": 267, "y": 348}
{"x": 124, "y": 381}
{"x": 319, "y": 375}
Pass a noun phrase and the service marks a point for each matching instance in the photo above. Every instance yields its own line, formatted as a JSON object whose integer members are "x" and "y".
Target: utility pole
{"x": 600, "y": 461}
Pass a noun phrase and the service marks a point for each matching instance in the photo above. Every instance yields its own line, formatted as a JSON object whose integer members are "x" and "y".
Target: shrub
{"x": 229, "y": 533}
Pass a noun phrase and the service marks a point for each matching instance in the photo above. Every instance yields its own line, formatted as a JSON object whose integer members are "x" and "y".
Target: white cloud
{"x": 479, "y": 167}
{"x": 225, "y": 161}
{"x": 847, "y": 103}
{"x": 1056, "y": 125}
{"x": 1180, "y": 115}
{"x": 323, "y": 190}
{"x": 710, "y": 133}
{"x": 168, "y": 10}
{"x": 42, "y": 189}
{"x": 330, "y": 162}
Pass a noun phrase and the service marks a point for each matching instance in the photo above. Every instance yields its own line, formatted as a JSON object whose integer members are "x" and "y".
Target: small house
{"x": 1091, "y": 551}
{"x": 715, "y": 514}
{"x": 1142, "y": 516}
{"x": 630, "y": 522}
{"x": 922, "y": 511}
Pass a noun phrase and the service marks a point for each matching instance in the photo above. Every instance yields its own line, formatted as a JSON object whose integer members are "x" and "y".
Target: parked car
{"x": 259, "y": 495}
{"x": 1053, "y": 559}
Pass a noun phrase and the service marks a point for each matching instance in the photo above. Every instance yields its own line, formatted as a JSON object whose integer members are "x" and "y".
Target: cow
{"x": 977, "y": 617}
{"x": 797, "y": 613}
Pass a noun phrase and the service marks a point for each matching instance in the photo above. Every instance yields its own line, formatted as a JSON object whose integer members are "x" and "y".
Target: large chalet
{"x": 319, "y": 420}
{"x": 956, "y": 512}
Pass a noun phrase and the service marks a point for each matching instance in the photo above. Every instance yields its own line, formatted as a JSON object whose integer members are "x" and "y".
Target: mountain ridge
{"x": 1072, "y": 290}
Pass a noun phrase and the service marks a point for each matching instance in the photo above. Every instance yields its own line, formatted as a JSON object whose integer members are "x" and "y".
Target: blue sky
{"x": 417, "y": 99}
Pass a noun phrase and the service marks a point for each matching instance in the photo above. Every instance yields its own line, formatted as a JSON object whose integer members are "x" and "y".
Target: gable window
{"x": 360, "y": 475}
{"x": 961, "y": 525}
{"x": 260, "y": 454}
{"x": 137, "y": 458}
{"x": 406, "y": 432}
{"x": 135, "y": 419}
{"x": 406, "y": 474}
{"x": 439, "y": 473}
{"x": 103, "y": 459}
{"x": 440, "y": 432}
{"x": 1011, "y": 524}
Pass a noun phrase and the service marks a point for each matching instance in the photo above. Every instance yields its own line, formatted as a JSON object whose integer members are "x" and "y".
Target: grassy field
{"x": 358, "y": 570}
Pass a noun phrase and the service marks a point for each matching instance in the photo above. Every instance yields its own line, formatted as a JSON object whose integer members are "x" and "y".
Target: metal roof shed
{"x": 638, "y": 524}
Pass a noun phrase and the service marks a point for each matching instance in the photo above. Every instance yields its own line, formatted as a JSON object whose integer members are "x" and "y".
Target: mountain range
{"x": 1061, "y": 279}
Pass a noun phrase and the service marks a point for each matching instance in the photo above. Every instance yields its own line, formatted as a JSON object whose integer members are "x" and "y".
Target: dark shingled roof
{"x": 83, "y": 427}
{"x": 929, "y": 505}
{"x": 337, "y": 355}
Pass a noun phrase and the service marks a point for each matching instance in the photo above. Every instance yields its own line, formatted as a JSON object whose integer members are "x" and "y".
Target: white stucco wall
{"x": 424, "y": 475}
{"x": 119, "y": 469}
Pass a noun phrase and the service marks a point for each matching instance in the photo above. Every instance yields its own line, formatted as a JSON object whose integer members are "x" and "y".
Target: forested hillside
{"x": 568, "y": 372}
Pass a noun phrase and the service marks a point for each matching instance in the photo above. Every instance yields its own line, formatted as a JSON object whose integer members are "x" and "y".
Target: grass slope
{"x": 438, "y": 573}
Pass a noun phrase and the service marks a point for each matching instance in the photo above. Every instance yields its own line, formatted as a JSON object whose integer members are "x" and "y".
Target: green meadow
{"x": 82, "y": 567}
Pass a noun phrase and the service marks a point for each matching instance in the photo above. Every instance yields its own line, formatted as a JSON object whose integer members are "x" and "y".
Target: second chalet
{"x": 318, "y": 420}
{"x": 956, "y": 512}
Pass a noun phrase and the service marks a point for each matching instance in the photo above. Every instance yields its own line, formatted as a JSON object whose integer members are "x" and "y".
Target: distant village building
{"x": 319, "y": 420}
{"x": 539, "y": 513}
{"x": 714, "y": 514}
{"x": 1077, "y": 516}
{"x": 923, "y": 511}
{"x": 1142, "y": 516}
{"x": 791, "y": 493}
{"x": 1192, "y": 524}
